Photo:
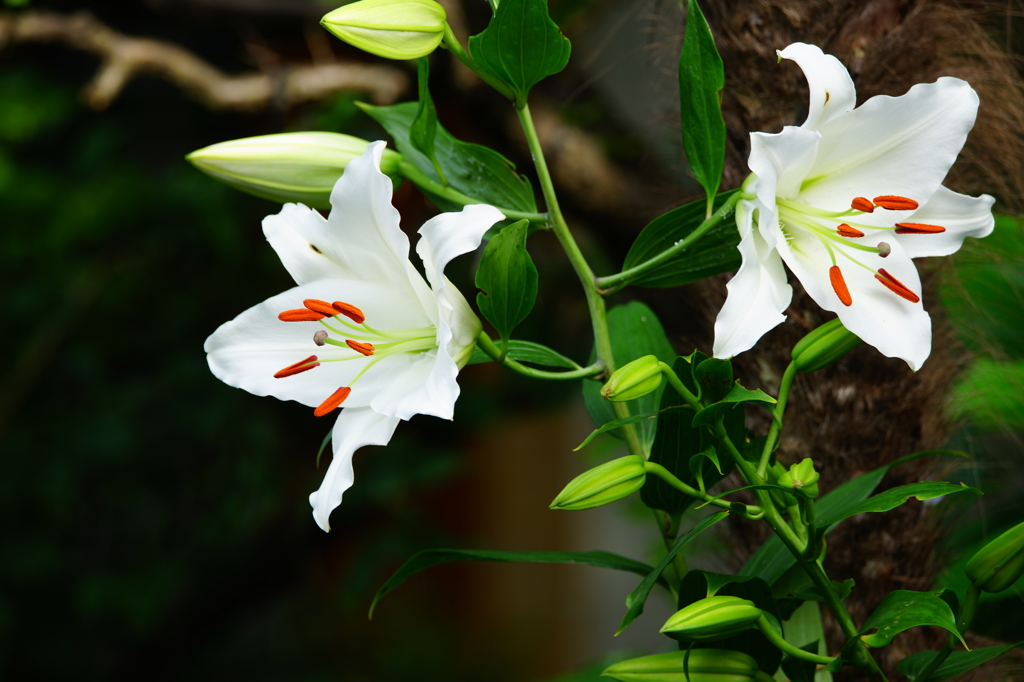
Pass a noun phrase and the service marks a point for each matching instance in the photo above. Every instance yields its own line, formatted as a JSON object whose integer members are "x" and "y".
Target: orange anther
{"x": 349, "y": 311}
{"x": 297, "y": 368}
{"x": 862, "y": 204}
{"x": 895, "y": 286}
{"x": 322, "y": 307}
{"x": 845, "y": 230}
{"x": 918, "y": 228}
{"x": 300, "y": 315}
{"x": 364, "y": 348}
{"x": 839, "y": 284}
{"x": 894, "y": 203}
{"x": 332, "y": 403}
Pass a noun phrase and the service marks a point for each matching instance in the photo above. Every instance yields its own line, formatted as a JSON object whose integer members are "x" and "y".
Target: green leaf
{"x": 713, "y": 378}
{"x": 738, "y": 394}
{"x": 527, "y": 351}
{"x": 472, "y": 169}
{"x": 424, "y": 127}
{"x": 521, "y": 46}
{"x": 772, "y": 559}
{"x": 958, "y": 662}
{"x": 701, "y": 79}
{"x": 905, "y": 609}
{"x": 507, "y": 279}
{"x": 798, "y": 670}
{"x": 813, "y": 593}
{"x": 635, "y": 332}
{"x": 616, "y": 423}
{"x": 635, "y": 599}
{"x": 714, "y": 253}
{"x": 697, "y": 465}
{"x": 890, "y": 499}
{"x": 429, "y": 558}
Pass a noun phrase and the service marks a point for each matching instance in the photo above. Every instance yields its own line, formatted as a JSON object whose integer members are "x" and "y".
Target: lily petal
{"x": 354, "y": 428}
{"x": 758, "y": 294}
{"x": 900, "y": 146}
{"x": 780, "y": 162}
{"x": 893, "y": 325}
{"x": 832, "y": 91}
{"x": 961, "y": 215}
{"x": 248, "y": 350}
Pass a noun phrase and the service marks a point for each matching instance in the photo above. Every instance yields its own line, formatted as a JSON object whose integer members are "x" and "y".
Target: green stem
{"x": 752, "y": 512}
{"x": 595, "y": 303}
{"x": 862, "y": 658}
{"x": 777, "y": 413}
{"x": 680, "y": 387}
{"x": 612, "y": 283}
{"x": 421, "y": 180}
{"x": 455, "y": 47}
{"x": 484, "y": 342}
{"x": 785, "y": 647}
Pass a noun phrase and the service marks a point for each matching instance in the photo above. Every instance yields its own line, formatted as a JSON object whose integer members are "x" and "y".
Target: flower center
{"x": 360, "y": 341}
{"x": 836, "y": 231}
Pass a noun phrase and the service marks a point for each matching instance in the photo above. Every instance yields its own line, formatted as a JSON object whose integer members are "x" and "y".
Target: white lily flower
{"x": 809, "y": 193}
{"x": 315, "y": 344}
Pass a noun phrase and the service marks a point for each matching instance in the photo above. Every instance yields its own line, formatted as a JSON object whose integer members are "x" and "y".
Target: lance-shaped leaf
{"x": 958, "y": 662}
{"x": 636, "y": 332}
{"x": 521, "y": 46}
{"x": 905, "y": 609}
{"x": 472, "y": 169}
{"x": 697, "y": 465}
{"x": 424, "y": 127}
{"x": 894, "y": 497}
{"x": 429, "y": 558}
{"x": 631, "y": 419}
{"x": 772, "y": 559}
{"x": 712, "y": 254}
{"x": 701, "y": 79}
{"x": 527, "y": 351}
{"x": 507, "y": 279}
{"x": 635, "y": 600}
{"x": 734, "y": 397}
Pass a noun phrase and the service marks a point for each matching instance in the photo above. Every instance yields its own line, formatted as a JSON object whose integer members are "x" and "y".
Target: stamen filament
{"x": 832, "y": 236}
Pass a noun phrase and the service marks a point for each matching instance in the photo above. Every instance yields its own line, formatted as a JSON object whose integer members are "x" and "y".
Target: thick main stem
{"x": 595, "y": 303}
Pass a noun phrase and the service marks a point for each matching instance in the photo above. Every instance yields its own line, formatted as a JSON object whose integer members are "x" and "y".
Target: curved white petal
{"x": 832, "y": 90}
{"x": 780, "y": 162}
{"x": 248, "y": 350}
{"x": 893, "y": 325}
{"x": 892, "y": 145}
{"x": 448, "y": 235}
{"x": 961, "y": 215}
{"x": 758, "y": 294}
{"x": 354, "y": 428}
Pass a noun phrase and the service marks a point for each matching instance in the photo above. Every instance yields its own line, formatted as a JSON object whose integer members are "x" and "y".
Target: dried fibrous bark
{"x": 868, "y": 410}
{"x": 124, "y": 57}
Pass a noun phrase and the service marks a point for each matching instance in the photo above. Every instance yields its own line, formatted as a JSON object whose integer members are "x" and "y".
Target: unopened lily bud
{"x": 1000, "y": 563}
{"x": 703, "y": 665}
{"x": 299, "y": 167}
{"x": 823, "y": 346}
{"x": 609, "y": 482}
{"x": 712, "y": 618}
{"x": 635, "y": 380}
{"x": 393, "y": 29}
{"x": 781, "y": 499}
{"x": 802, "y": 476}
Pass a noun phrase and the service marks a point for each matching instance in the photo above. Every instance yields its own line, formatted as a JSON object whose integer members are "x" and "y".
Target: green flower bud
{"x": 635, "y": 380}
{"x": 1000, "y": 563}
{"x": 781, "y": 499}
{"x": 712, "y": 618}
{"x": 301, "y": 167}
{"x": 609, "y": 482}
{"x": 704, "y": 665}
{"x": 823, "y": 346}
{"x": 802, "y": 476}
{"x": 394, "y": 29}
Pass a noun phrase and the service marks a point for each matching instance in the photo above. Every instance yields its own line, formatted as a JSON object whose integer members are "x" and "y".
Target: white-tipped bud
{"x": 299, "y": 167}
{"x": 393, "y": 29}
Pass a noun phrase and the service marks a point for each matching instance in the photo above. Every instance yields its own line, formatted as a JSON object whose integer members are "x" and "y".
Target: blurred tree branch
{"x": 123, "y": 57}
